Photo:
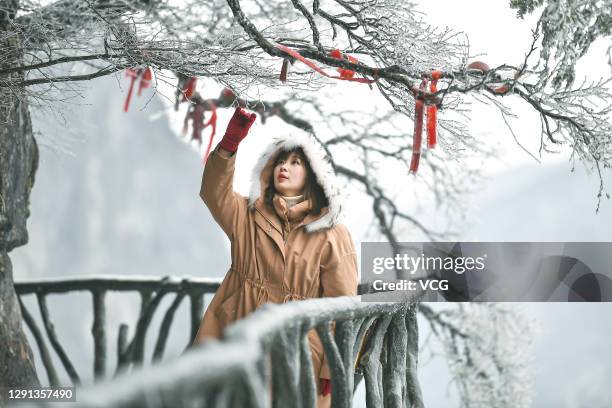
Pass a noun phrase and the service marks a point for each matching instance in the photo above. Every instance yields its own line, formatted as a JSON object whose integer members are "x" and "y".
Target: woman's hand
{"x": 325, "y": 385}
{"x": 237, "y": 129}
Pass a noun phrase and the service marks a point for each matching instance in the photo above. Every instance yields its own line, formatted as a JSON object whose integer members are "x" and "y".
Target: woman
{"x": 286, "y": 240}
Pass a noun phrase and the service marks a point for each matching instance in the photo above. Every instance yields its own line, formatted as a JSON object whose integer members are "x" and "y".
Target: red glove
{"x": 237, "y": 129}
{"x": 325, "y": 385}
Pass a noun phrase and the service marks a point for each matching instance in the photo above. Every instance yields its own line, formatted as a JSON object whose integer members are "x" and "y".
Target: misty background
{"x": 117, "y": 194}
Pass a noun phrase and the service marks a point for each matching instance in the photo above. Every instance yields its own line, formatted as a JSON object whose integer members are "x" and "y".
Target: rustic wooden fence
{"x": 268, "y": 349}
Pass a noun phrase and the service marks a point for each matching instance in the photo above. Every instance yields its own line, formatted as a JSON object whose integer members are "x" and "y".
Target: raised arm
{"x": 225, "y": 205}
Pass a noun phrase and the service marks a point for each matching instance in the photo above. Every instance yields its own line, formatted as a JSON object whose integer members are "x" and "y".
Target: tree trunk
{"x": 18, "y": 163}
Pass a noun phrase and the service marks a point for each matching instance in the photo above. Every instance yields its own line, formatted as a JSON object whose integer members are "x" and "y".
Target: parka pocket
{"x": 227, "y": 310}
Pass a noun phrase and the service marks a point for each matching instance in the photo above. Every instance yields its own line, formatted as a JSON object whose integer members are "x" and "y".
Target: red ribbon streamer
{"x": 418, "y": 130}
{"x": 213, "y": 123}
{"x": 344, "y": 73}
{"x": 189, "y": 88}
{"x": 314, "y": 67}
{"x": 145, "y": 79}
{"x": 196, "y": 115}
{"x": 132, "y": 74}
{"x": 145, "y": 76}
{"x": 432, "y": 112}
{"x": 284, "y": 69}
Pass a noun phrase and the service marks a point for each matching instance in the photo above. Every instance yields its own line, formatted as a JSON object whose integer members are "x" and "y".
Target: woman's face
{"x": 290, "y": 176}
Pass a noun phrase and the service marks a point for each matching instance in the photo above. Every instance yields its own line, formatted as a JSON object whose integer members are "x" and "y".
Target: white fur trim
{"x": 320, "y": 166}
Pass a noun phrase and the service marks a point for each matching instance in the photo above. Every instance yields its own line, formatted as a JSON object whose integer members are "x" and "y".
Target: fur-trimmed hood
{"x": 320, "y": 165}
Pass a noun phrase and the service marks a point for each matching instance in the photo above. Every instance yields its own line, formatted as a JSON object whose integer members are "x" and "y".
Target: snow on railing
{"x": 269, "y": 350}
{"x": 151, "y": 291}
{"x": 388, "y": 356}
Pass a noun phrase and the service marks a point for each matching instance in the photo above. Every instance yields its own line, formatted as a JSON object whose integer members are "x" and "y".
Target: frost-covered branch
{"x": 398, "y": 49}
{"x": 363, "y": 142}
{"x": 489, "y": 351}
{"x": 568, "y": 29}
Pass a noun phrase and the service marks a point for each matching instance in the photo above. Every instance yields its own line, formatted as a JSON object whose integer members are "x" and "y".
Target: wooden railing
{"x": 151, "y": 292}
{"x": 266, "y": 351}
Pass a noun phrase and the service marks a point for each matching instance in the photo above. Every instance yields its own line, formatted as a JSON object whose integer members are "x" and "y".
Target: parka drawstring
{"x": 259, "y": 284}
{"x": 293, "y": 296}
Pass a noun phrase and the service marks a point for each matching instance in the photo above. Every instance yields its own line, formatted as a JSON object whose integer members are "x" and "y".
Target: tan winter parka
{"x": 277, "y": 256}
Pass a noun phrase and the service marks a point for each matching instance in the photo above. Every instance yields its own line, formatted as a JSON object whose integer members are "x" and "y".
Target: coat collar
{"x": 294, "y": 214}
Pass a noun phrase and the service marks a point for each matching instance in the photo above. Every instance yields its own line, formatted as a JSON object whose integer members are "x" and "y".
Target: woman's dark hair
{"x": 312, "y": 189}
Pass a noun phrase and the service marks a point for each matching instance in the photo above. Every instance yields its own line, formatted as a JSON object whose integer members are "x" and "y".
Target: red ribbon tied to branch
{"x": 145, "y": 80}
{"x": 432, "y": 112}
{"x": 188, "y": 89}
{"x": 432, "y": 119}
{"x": 195, "y": 114}
{"x": 418, "y": 129}
{"x": 345, "y": 74}
{"x": 145, "y": 75}
{"x": 213, "y": 124}
{"x": 284, "y": 70}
